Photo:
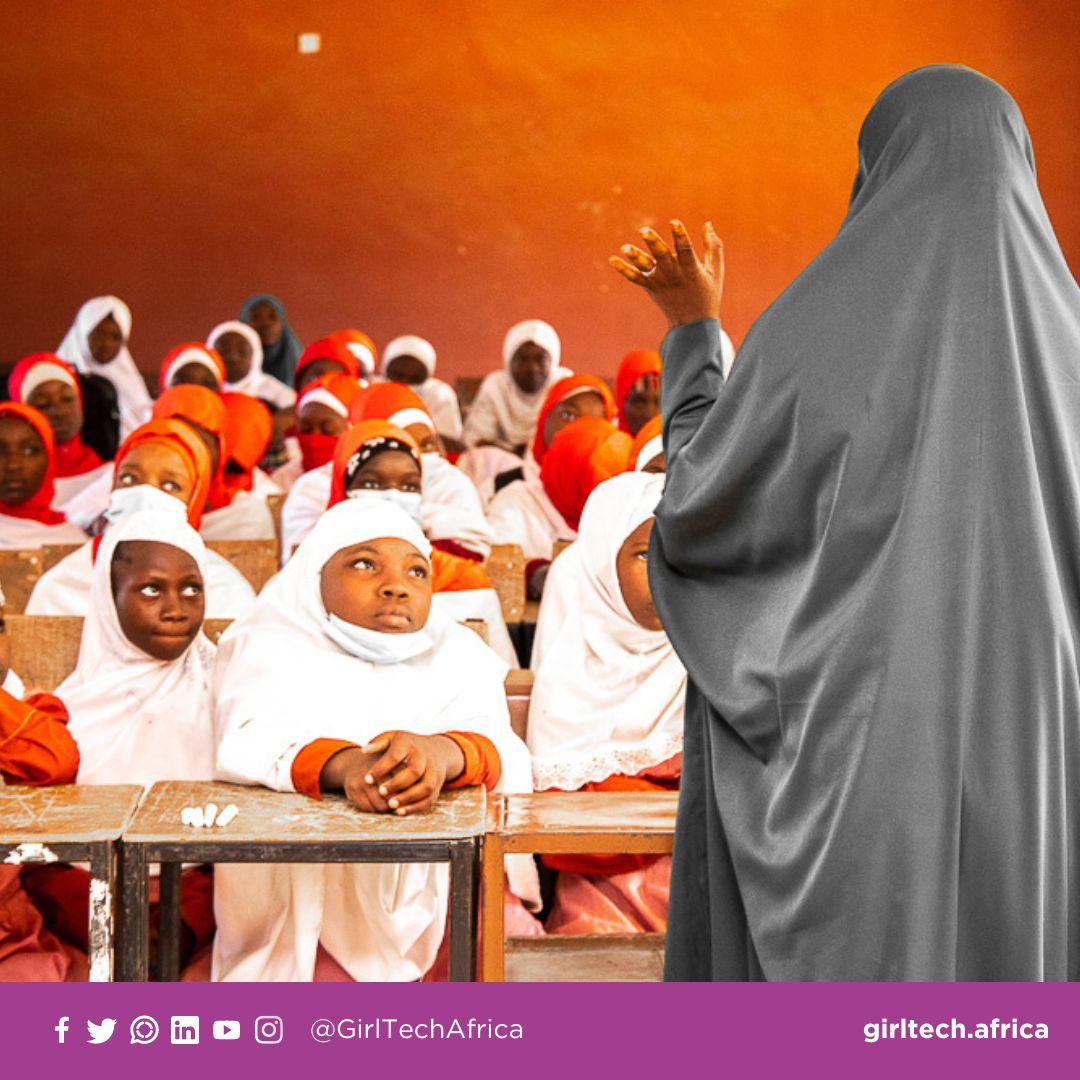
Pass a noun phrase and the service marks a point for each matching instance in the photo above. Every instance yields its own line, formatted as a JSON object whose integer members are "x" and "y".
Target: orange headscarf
{"x": 328, "y": 348}
{"x": 631, "y": 368}
{"x": 205, "y": 408}
{"x": 582, "y": 456}
{"x": 179, "y": 437}
{"x": 384, "y": 400}
{"x": 317, "y": 449}
{"x": 39, "y": 506}
{"x": 652, "y": 429}
{"x": 449, "y": 573}
{"x": 361, "y": 346}
{"x": 248, "y": 428}
{"x": 74, "y": 457}
{"x": 191, "y": 352}
{"x": 563, "y": 389}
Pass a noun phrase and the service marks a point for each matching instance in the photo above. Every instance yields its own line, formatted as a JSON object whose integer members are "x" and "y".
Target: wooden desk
{"x": 576, "y": 822}
{"x": 278, "y": 827}
{"x": 72, "y": 823}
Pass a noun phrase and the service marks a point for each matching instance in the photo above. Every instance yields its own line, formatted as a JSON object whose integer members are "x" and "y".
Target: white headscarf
{"x": 608, "y": 697}
{"x": 410, "y": 345}
{"x": 138, "y": 720}
{"x": 285, "y": 683}
{"x": 132, "y": 396}
{"x": 256, "y": 383}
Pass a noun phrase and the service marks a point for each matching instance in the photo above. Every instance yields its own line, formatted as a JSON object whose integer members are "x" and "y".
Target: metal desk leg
{"x": 464, "y": 879}
{"x": 169, "y": 925}
{"x": 102, "y": 906}
{"x": 134, "y": 914}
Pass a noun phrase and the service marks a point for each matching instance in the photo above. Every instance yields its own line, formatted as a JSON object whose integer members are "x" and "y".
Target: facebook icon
{"x": 61, "y": 1028}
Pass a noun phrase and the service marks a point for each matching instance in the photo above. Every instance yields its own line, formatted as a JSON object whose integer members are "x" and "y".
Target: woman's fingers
{"x": 642, "y": 260}
{"x": 684, "y": 247}
{"x": 395, "y": 754}
{"x": 379, "y": 743}
{"x": 714, "y": 252}
{"x": 657, "y": 248}
{"x": 403, "y": 779}
{"x": 631, "y": 273}
{"x": 419, "y": 796}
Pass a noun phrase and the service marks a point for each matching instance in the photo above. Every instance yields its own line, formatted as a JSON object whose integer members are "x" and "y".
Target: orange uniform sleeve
{"x": 482, "y": 762}
{"x": 451, "y": 573}
{"x": 308, "y": 765}
{"x": 35, "y": 745}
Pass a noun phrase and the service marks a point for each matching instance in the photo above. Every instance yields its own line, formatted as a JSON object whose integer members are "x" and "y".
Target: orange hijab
{"x": 361, "y": 346}
{"x": 449, "y": 573}
{"x": 317, "y": 449}
{"x": 582, "y": 456}
{"x": 248, "y": 428}
{"x": 39, "y": 506}
{"x": 205, "y": 408}
{"x": 563, "y": 389}
{"x": 653, "y": 429}
{"x": 179, "y": 437}
{"x": 384, "y": 400}
{"x": 328, "y": 348}
{"x": 632, "y": 367}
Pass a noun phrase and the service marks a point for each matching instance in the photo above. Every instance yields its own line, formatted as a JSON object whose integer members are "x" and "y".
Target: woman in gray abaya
{"x": 868, "y": 557}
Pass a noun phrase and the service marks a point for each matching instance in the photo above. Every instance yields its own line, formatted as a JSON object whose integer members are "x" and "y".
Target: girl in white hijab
{"x": 410, "y": 360}
{"x": 606, "y": 711}
{"x": 284, "y": 672}
{"x": 118, "y": 367}
{"x": 253, "y": 381}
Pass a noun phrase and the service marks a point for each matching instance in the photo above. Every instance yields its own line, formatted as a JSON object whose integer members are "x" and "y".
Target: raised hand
{"x": 682, "y": 286}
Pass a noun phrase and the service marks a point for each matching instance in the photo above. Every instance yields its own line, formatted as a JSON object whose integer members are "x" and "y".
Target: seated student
{"x": 502, "y": 417}
{"x": 328, "y": 355}
{"x": 538, "y": 510}
{"x": 248, "y": 428}
{"x": 229, "y": 514}
{"x": 606, "y": 712}
{"x": 279, "y": 347}
{"x": 162, "y": 465}
{"x": 637, "y": 389}
{"x": 410, "y": 360}
{"x": 192, "y": 364}
{"x": 35, "y": 749}
{"x": 647, "y": 453}
{"x": 322, "y": 415}
{"x": 362, "y": 347}
{"x": 352, "y": 612}
{"x": 51, "y": 385}
{"x": 96, "y": 344}
{"x": 27, "y": 468}
{"x": 140, "y": 696}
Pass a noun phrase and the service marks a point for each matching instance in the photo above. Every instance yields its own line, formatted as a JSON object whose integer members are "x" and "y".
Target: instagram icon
{"x": 268, "y": 1030}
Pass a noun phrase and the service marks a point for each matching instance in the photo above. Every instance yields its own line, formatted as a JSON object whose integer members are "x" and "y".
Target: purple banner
{"x": 551, "y": 1031}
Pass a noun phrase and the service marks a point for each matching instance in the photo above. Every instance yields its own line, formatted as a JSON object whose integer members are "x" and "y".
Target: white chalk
{"x": 197, "y": 816}
{"x": 227, "y": 815}
{"x": 209, "y": 814}
{"x": 185, "y": 815}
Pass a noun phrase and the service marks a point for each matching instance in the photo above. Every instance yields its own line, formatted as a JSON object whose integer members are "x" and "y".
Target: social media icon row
{"x": 183, "y": 1030}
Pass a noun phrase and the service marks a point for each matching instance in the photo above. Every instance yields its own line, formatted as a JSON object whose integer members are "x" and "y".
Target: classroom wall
{"x": 446, "y": 167}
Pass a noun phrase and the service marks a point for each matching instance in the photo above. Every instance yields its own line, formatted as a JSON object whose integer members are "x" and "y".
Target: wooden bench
{"x": 72, "y": 823}
{"x": 257, "y": 560}
{"x": 277, "y": 827}
{"x": 506, "y": 568}
{"x": 587, "y": 823}
{"x": 20, "y": 570}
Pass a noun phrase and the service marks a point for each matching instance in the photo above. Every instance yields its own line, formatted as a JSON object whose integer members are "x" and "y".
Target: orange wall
{"x": 447, "y": 168}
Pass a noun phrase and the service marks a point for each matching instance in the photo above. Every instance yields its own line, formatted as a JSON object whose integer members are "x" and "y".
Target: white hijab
{"x": 285, "y": 683}
{"x": 608, "y": 697}
{"x": 256, "y": 383}
{"x": 132, "y": 396}
{"x": 135, "y": 719}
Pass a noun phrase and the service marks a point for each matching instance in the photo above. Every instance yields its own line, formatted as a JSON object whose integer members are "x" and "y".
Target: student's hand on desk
{"x": 411, "y": 769}
{"x": 682, "y": 286}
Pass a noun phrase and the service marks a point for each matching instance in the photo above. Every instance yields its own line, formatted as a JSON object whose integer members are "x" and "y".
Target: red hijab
{"x": 205, "y": 408}
{"x": 328, "y": 348}
{"x": 190, "y": 352}
{"x": 248, "y": 429}
{"x": 179, "y": 437}
{"x": 354, "y": 440}
{"x": 632, "y": 367}
{"x": 39, "y": 506}
{"x": 563, "y": 389}
{"x": 317, "y": 449}
{"x": 582, "y": 456}
{"x": 73, "y": 458}
{"x": 362, "y": 347}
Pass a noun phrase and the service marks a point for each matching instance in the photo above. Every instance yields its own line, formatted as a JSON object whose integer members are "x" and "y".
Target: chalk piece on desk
{"x": 227, "y": 815}
{"x": 210, "y": 813}
{"x": 197, "y": 817}
{"x": 186, "y": 815}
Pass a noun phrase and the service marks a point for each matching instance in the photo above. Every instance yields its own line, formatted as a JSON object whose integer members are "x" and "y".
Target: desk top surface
{"x": 590, "y": 812}
{"x": 67, "y": 813}
{"x": 268, "y": 817}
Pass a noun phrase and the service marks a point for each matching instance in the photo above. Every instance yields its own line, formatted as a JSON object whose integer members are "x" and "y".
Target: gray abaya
{"x": 867, "y": 555}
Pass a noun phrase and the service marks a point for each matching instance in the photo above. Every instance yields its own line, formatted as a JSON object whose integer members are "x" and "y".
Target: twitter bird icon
{"x": 100, "y": 1033}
